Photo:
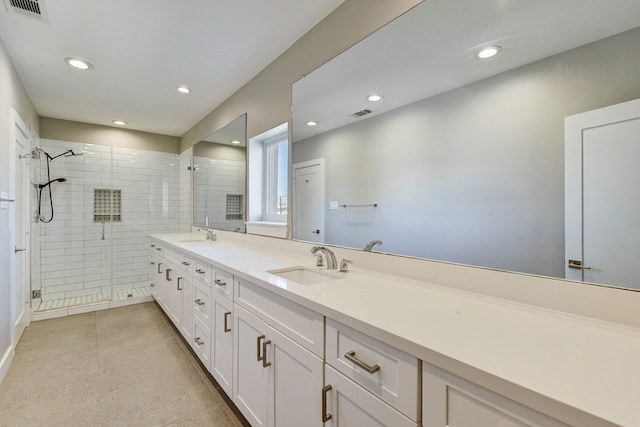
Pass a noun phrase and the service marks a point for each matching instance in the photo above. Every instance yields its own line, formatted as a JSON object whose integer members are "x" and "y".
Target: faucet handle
{"x": 344, "y": 265}
{"x": 319, "y": 260}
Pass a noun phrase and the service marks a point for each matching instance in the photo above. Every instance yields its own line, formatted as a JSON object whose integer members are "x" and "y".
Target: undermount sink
{"x": 194, "y": 241}
{"x": 304, "y": 275}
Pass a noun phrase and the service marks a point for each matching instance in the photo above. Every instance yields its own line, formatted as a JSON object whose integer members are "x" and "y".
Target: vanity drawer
{"x": 385, "y": 371}
{"x": 202, "y": 303}
{"x": 188, "y": 263}
{"x": 304, "y": 326}
{"x": 223, "y": 283}
{"x": 202, "y": 342}
{"x": 203, "y": 272}
{"x": 172, "y": 254}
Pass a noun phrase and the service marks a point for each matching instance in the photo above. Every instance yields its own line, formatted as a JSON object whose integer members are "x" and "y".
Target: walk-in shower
{"x": 95, "y": 250}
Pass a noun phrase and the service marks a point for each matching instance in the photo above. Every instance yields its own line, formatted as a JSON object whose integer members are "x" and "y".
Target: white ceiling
{"x": 431, "y": 50}
{"x": 142, "y": 50}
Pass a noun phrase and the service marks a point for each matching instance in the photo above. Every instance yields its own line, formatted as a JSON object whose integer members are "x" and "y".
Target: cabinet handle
{"x": 220, "y": 282}
{"x": 159, "y": 268}
{"x": 158, "y": 249}
{"x": 179, "y": 281}
{"x": 199, "y": 302}
{"x": 198, "y": 340}
{"x": 325, "y": 417}
{"x": 200, "y": 271}
{"x": 185, "y": 263}
{"x": 258, "y": 357}
{"x": 153, "y": 246}
{"x": 226, "y": 321}
{"x": 167, "y": 273}
{"x": 152, "y": 285}
{"x": 264, "y": 353}
{"x": 152, "y": 263}
{"x": 351, "y": 356}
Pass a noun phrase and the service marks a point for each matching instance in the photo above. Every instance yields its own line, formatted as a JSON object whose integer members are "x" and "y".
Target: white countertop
{"x": 587, "y": 364}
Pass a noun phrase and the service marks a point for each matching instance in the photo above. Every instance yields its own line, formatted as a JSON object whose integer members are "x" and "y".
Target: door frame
{"x": 296, "y": 207}
{"x": 574, "y": 127}
{"x": 18, "y": 125}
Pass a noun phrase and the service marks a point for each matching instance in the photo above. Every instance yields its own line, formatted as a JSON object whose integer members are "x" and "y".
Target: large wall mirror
{"x": 219, "y": 178}
{"x": 460, "y": 159}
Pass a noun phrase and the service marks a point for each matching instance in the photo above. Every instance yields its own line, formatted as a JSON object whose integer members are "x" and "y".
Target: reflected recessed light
{"x": 119, "y": 123}
{"x": 488, "y": 52}
{"x": 184, "y": 89}
{"x": 312, "y": 123}
{"x": 78, "y": 63}
{"x": 375, "y": 97}
{"x": 235, "y": 141}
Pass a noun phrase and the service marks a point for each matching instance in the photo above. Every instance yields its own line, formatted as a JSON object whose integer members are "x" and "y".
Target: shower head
{"x": 70, "y": 153}
{"x": 52, "y": 181}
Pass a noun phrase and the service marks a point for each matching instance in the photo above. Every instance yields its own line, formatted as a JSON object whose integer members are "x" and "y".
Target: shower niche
{"x": 94, "y": 208}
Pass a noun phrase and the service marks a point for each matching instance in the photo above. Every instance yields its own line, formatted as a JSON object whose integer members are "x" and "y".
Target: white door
{"x": 308, "y": 190}
{"x": 602, "y": 200}
{"x": 20, "y": 216}
{"x": 222, "y": 342}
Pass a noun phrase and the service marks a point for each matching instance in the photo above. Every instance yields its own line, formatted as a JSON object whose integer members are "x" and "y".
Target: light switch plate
{"x": 333, "y": 205}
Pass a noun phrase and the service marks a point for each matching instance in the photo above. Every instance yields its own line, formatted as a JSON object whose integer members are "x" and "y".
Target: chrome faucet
{"x": 332, "y": 263}
{"x": 371, "y": 244}
{"x": 211, "y": 235}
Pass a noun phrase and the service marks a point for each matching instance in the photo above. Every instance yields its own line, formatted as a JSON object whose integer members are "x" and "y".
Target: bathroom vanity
{"x": 294, "y": 344}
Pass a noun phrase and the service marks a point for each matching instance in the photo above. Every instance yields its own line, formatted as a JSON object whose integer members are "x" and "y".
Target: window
{"x": 276, "y": 161}
{"x": 268, "y": 182}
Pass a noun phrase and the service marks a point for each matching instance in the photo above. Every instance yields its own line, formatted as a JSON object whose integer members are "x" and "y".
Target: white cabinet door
{"x": 277, "y": 382}
{"x": 349, "y": 405}
{"x": 186, "y": 300}
{"x": 295, "y": 385}
{"x": 251, "y": 372}
{"x": 153, "y": 275}
{"x": 173, "y": 296}
{"x": 222, "y": 342}
{"x": 448, "y": 400}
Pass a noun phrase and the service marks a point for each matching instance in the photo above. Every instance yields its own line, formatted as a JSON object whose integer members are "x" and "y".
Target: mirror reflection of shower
{"x": 35, "y": 154}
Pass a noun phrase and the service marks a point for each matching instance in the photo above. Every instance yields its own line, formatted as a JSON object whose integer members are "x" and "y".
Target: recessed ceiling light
{"x": 183, "y": 89}
{"x": 488, "y": 52}
{"x": 375, "y": 97}
{"x": 119, "y": 123}
{"x": 78, "y": 63}
{"x": 312, "y": 123}
{"x": 235, "y": 141}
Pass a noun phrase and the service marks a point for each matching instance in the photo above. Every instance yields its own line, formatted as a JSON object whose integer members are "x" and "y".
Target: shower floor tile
{"x": 118, "y": 295}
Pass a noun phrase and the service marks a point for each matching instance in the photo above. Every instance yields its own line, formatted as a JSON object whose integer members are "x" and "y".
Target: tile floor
{"x": 119, "y": 367}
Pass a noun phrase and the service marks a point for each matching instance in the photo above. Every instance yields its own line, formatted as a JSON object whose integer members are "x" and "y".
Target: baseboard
{"x": 5, "y": 363}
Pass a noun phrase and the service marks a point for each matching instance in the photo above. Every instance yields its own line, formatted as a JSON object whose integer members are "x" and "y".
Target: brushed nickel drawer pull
{"x": 159, "y": 268}
{"x": 179, "y": 282}
{"x": 200, "y": 271}
{"x": 258, "y": 357}
{"x": 325, "y": 417}
{"x": 220, "y": 282}
{"x": 199, "y": 302}
{"x": 185, "y": 263}
{"x": 167, "y": 273}
{"x": 226, "y": 321}
{"x": 351, "y": 356}
{"x": 198, "y": 340}
{"x": 264, "y": 353}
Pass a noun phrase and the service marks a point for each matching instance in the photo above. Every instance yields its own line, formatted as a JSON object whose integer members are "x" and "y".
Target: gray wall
{"x": 475, "y": 175}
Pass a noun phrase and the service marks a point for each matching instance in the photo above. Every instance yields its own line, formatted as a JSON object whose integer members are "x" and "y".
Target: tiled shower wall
{"x": 213, "y": 180}
{"x": 80, "y": 257}
{"x": 184, "y": 178}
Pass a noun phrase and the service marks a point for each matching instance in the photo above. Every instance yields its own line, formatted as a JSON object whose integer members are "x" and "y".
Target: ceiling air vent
{"x": 30, "y": 8}
{"x": 362, "y": 113}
